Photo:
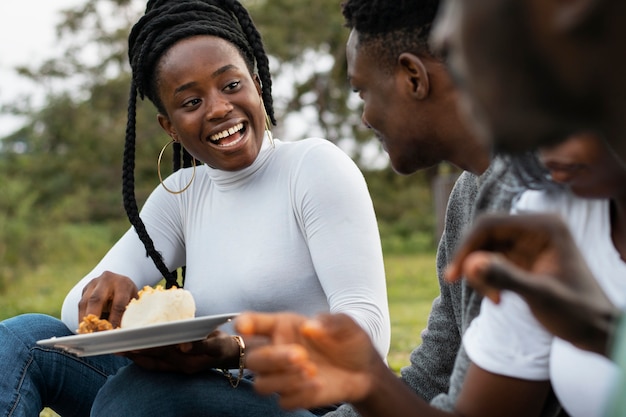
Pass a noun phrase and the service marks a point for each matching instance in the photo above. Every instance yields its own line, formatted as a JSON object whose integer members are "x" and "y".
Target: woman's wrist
{"x": 240, "y": 362}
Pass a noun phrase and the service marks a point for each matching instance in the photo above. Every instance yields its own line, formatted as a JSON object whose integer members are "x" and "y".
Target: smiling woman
{"x": 253, "y": 223}
{"x": 203, "y": 87}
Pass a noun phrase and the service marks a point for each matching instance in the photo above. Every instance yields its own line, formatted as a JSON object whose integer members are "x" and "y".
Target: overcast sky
{"x": 26, "y": 36}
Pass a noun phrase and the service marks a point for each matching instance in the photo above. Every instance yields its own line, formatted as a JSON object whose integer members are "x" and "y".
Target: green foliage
{"x": 308, "y": 32}
{"x": 19, "y": 226}
{"x": 65, "y": 254}
{"x": 404, "y": 208}
{"x": 74, "y": 162}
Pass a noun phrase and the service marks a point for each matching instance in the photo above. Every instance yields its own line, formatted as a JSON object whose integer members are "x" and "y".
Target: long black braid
{"x": 164, "y": 23}
{"x": 392, "y": 27}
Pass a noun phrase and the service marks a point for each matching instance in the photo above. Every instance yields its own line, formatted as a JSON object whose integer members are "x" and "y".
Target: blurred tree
{"x": 72, "y": 146}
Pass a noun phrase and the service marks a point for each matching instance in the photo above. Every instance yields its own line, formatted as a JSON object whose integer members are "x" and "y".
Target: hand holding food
{"x": 106, "y": 297}
{"x": 152, "y": 306}
{"x": 155, "y": 306}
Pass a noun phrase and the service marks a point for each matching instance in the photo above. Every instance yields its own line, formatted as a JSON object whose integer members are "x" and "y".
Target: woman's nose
{"x": 218, "y": 108}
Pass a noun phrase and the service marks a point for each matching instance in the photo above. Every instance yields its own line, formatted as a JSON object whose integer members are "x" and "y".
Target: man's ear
{"x": 166, "y": 124}
{"x": 417, "y": 80}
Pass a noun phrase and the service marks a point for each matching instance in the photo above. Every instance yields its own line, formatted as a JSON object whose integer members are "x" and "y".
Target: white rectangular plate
{"x": 124, "y": 340}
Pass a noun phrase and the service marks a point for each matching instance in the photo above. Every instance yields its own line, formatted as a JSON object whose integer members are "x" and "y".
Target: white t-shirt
{"x": 506, "y": 339}
{"x": 294, "y": 231}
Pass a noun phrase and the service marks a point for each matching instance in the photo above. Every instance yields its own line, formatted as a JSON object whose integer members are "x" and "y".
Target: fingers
{"x": 279, "y": 327}
{"x": 521, "y": 238}
{"x": 328, "y": 330}
{"x": 475, "y": 269}
{"x": 107, "y": 297}
{"x": 120, "y": 299}
{"x": 490, "y": 273}
{"x": 255, "y": 323}
{"x": 285, "y": 370}
{"x": 278, "y": 359}
{"x": 296, "y": 394}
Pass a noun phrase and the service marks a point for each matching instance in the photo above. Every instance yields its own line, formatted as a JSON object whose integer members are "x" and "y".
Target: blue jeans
{"x": 33, "y": 377}
{"x": 136, "y": 392}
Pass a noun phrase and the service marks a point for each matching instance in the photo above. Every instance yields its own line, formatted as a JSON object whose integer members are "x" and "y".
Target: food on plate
{"x": 158, "y": 305}
{"x": 153, "y": 306}
{"x": 91, "y": 323}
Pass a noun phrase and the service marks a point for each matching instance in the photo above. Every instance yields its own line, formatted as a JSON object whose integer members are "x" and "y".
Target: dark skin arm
{"x": 535, "y": 256}
{"x": 331, "y": 359}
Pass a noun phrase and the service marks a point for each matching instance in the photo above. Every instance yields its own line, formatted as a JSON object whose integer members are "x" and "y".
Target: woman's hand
{"x": 218, "y": 350}
{"x": 107, "y": 297}
{"x": 536, "y": 256}
{"x": 311, "y": 362}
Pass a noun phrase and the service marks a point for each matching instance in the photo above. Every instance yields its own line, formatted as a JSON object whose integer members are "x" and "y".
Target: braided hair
{"x": 164, "y": 23}
{"x": 392, "y": 27}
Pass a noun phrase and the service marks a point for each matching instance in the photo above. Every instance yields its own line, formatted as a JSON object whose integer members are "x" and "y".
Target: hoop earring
{"x": 193, "y": 175}
{"x": 268, "y": 124}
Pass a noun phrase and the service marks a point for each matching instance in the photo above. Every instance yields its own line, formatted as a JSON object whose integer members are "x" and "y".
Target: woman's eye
{"x": 233, "y": 85}
{"x": 192, "y": 102}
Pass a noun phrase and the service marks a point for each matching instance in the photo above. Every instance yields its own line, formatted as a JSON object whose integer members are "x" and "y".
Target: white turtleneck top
{"x": 294, "y": 231}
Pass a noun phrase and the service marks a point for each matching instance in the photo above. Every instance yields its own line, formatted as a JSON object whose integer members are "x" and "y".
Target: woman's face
{"x": 213, "y": 103}
{"x": 586, "y": 165}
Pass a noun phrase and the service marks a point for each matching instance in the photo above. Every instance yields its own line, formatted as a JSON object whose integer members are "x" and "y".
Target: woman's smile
{"x": 231, "y": 138}
{"x": 224, "y": 137}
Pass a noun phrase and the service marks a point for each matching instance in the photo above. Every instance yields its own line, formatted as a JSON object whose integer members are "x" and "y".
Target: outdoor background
{"x": 60, "y": 168}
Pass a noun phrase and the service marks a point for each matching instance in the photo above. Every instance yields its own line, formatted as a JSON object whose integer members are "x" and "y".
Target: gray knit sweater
{"x": 439, "y": 364}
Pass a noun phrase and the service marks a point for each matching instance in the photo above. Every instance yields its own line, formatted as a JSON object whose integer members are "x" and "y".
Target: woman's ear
{"x": 166, "y": 124}
{"x": 257, "y": 82}
{"x": 414, "y": 71}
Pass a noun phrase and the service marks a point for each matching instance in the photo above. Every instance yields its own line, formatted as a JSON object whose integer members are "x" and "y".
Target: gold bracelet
{"x": 234, "y": 382}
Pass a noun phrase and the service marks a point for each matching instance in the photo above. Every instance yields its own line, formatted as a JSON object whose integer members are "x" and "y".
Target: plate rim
{"x": 71, "y": 343}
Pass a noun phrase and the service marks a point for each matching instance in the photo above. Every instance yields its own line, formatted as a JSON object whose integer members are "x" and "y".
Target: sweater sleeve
{"x": 160, "y": 215}
{"x": 338, "y": 219}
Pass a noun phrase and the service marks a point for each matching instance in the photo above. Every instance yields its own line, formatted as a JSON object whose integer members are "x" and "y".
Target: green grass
{"x": 411, "y": 286}
{"x": 411, "y": 281}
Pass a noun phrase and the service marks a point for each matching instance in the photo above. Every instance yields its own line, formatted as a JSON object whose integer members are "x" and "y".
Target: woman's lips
{"x": 228, "y": 137}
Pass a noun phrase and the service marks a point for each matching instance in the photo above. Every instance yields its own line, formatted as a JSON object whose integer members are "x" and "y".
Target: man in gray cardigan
{"x": 428, "y": 130}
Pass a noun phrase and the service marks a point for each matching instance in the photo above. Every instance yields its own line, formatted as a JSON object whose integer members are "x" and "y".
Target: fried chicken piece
{"x": 92, "y": 323}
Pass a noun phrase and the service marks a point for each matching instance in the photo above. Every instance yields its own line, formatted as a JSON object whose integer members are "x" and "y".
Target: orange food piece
{"x": 92, "y": 323}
